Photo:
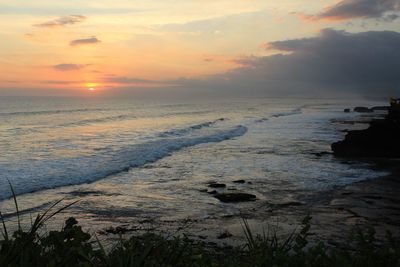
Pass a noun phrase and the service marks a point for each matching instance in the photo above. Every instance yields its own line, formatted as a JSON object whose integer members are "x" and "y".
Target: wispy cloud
{"x": 69, "y": 67}
{"x": 68, "y": 8}
{"x": 62, "y": 21}
{"x": 128, "y": 80}
{"x": 353, "y": 9}
{"x": 135, "y": 82}
{"x": 85, "y": 41}
{"x": 62, "y": 82}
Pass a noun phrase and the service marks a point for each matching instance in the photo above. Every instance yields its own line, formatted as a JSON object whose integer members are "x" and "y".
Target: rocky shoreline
{"x": 373, "y": 202}
{"x": 381, "y": 139}
{"x": 334, "y": 213}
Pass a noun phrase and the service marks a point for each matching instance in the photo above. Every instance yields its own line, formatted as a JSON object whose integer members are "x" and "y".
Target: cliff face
{"x": 381, "y": 139}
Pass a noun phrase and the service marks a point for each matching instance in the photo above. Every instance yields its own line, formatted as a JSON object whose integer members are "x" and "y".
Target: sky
{"x": 235, "y": 47}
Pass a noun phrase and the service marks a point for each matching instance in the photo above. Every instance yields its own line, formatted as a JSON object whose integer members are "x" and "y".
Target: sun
{"x": 91, "y": 87}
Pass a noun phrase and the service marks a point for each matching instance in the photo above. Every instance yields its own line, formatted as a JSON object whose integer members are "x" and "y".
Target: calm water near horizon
{"x": 127, "y": 159}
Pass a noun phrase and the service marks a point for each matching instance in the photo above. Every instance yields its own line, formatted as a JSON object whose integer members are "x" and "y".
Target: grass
{"x": 71, "y": 246}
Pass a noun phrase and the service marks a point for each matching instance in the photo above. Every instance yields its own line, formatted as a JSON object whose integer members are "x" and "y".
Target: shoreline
{"x": 333, "y": 211}
{"x": 368, "y": 203}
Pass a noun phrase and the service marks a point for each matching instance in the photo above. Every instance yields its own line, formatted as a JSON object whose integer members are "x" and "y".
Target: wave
{"x": 281, "y": 114}
{"x": 27, "y": 130}
{"x": 182, "y": 131}
{"x": 48, "y": 112}
{"x": 72, "y": 171}
{"x": 187, "y": 113}
{"x": 289, "y": 113}
{"x": 98, "y": 120}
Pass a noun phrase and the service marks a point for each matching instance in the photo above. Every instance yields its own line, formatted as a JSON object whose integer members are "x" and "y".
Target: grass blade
{"x": 16, "y": 204}
{"x": 248, "y": 234}
{"x": 4, "y": 232}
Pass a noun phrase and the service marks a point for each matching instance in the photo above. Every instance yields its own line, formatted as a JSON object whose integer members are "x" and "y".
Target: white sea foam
{"x": 39, "y": 175}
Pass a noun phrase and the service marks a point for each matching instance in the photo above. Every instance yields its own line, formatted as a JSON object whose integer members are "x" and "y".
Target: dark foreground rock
{"x": 216, "y": 185}
{"x": 235, "y": 197}
{"x": 380, "y": 108}
{"x": 381, "y": 139}
{"x": 224, "y": 235}
{"x": 362, "y": 109}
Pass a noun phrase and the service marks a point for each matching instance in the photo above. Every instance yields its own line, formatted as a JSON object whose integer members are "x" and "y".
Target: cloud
{"x": 353, "y": 9}
{"x": 62, "y": 21}
{"x": 69, "y": 67}
{"x": 68, "y": 8}
{"x": 335, "y": 62}
{"x": 391, "y": 17}
{"x": 122, "y": 81}
{"x": 62, "y": 82}
{"x": 85, "y": 41}
{"x": 128, "y": 80}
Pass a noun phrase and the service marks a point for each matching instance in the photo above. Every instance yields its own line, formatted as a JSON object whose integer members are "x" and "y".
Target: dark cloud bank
{"x": 352, "y": 9}
{"x": 334, "y": 62}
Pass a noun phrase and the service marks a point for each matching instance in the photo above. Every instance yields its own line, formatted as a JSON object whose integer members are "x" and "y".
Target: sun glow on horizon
{"x": 91, "y": 87}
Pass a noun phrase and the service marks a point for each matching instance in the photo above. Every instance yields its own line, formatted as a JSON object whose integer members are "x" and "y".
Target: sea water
{"x": 126, "y": 159}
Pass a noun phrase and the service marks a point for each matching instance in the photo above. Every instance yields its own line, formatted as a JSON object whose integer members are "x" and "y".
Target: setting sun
{"x": 92, "y": 89}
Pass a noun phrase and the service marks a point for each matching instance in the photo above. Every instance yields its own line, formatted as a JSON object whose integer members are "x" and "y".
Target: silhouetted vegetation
{"x": 71, "y": 246}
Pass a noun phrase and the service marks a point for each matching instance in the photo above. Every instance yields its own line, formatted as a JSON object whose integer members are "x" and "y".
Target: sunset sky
{"x": 252, "y": 47}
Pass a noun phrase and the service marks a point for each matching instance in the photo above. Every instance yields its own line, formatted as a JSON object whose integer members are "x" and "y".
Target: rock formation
{"x": 381, "y": 139}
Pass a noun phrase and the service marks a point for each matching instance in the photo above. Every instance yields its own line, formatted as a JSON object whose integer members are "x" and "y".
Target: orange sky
{"x": 77, "y": 45}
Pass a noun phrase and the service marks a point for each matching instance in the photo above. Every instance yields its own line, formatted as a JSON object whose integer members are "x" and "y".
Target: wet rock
{"x": 216, "y": 185}
{"x": 373, "y": 197}
{"x": 101, "y": 232}
{"x": 118, "y": 230}
{"x": 287, "y": 204}
{"x": 362, "y": 110}
{"x": 380, "y": 108}
{"x": 146, "y": 221}
{"x": 235, "y": 197}
{"x": 80, "y": 193}
{"x": 241, "y": 181}
{"x": 346, "y": 110}
{"x": 320, "y": 154}
{"x": 212, "y": 192}
{"x": 347, "y": 193}
{"x": 224, "y": 235}
{"x": 203, "y": 190}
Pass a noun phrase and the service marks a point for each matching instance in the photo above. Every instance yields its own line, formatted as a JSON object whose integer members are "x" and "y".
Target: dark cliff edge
{"x": 381, "y": 139}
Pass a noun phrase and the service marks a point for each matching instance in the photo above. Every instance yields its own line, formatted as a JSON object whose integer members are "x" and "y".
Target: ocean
{"x": 131, "y": 160}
